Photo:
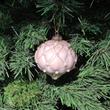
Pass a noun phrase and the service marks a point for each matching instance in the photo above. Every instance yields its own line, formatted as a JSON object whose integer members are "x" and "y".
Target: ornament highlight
{"x": 55, "y": 57}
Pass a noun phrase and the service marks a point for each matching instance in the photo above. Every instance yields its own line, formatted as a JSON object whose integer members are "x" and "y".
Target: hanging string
{"x": 56, "y": 27}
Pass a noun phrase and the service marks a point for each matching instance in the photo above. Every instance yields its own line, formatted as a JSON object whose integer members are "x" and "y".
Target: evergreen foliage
{"x": 4, "y": 51}
{"x": 20, "y": 63}
{"x": 30, "y": 36}
{"x": 19, "y": 94}
{"x": 87, "y": 27}
{"x": 81, "y": 45}
{"x": 86, "y": 23}
{"x": 5, "y": 20}
{"x": 23, "y": 95}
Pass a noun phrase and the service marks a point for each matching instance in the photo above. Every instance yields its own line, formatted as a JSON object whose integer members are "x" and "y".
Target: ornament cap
{"x": 57, "y": 37}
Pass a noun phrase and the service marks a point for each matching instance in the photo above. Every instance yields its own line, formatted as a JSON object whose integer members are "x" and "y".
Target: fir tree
{"x": 25, "y": 24}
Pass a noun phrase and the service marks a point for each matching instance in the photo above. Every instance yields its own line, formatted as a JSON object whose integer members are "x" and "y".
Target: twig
{"x": 14, "y": 30}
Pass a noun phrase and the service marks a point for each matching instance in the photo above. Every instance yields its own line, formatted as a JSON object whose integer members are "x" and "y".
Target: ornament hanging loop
{"x": 56, "y": 27}
{"x": 56, "y": 30}
{"x": 57, "y": 36}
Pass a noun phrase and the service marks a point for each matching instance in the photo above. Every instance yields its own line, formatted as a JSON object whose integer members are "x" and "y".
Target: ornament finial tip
{"x": 44, "y": 71}
{"x": 56, "y": 72}
{"x": 68, "y": 70}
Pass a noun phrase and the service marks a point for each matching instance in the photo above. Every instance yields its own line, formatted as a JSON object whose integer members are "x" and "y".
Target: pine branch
{"x": 87, "y": 27}
{"x": 84, "y": 94}
{"x": 31, "y": 35}
{"x": 101, "y": 55}
{"x": 94, "y": 71}
{"x": 4, "y": 51}
{"x": 57, "y": 11}
{"x": 5, "y": 21}
{"x": 20, "y": 63}
{"x": 30, "y": 95}
{"x": 82, "y": 46}
{"x": 18, "y": 3}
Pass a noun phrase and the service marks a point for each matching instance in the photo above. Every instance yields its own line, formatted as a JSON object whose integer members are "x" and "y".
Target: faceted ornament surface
{"x": 55, "y": 58}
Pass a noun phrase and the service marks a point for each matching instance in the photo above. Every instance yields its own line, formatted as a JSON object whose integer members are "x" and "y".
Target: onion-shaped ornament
{"x": 55, "y": 57}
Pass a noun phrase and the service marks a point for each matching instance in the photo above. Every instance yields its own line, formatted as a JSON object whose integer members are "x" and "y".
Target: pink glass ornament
{"x": 55, "y": 57}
